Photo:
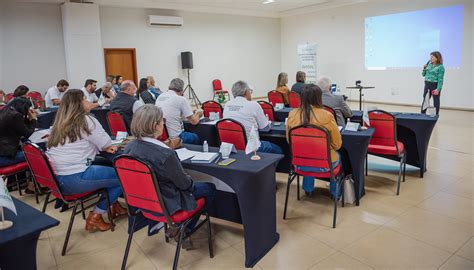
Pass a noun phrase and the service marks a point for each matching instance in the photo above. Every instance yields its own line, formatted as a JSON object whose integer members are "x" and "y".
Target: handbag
{"x": 349, "y": 192}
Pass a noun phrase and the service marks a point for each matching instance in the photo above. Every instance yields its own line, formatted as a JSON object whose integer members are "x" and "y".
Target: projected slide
{"x": 405, "y": 40}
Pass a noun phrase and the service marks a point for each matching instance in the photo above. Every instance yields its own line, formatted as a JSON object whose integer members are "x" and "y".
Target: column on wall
{"x": 82, "y": 43}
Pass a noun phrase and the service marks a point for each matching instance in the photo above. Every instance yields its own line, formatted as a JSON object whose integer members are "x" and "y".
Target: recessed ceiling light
{"x": 268, "y": 2}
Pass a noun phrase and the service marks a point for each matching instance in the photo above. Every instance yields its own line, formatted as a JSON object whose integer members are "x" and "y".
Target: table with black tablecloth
{"x": 414, "y": 131}
{"x": 353, "y": 151}
{"x": 281, "y": 114}
{"x": 18, "y": 243}
{"x": 46, "y": 119}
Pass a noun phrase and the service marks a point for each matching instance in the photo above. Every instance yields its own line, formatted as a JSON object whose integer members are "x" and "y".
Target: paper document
{"x": 39, "y": 136}
{"x": 184, "y": 153}
{"x": 209, "y": 122}
{"x": 205, "y": 157}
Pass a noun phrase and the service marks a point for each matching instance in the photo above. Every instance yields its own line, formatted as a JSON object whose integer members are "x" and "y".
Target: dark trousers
{"x": 430, "y": 86}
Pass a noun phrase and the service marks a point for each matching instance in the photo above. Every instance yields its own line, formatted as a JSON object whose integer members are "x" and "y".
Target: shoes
{"x": 117, "y": 210}
{"x": 95, "y": 222}
{"x": 187, "y": 243}
{"x": 31, "y": 190}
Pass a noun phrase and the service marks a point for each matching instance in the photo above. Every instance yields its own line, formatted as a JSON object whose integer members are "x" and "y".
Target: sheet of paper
{"x": 209, "y": 122}
{"x": 340, "y": 128}
{"x": 184, "y": 153}
{"x": 39, "y": 136}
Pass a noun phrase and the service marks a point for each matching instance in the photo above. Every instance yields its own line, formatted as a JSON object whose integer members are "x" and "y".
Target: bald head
{"x": 128, "y": 87}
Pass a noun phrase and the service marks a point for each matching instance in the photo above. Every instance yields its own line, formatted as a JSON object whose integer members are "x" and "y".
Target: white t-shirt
{"x": 72, "y": 158}
{"x": 52, "y": 93}
{"x": 175, "y": 108}
{"x": 154, "y": 141}
{"x": 248, "y": 113}
{"x": 91, "y": 97}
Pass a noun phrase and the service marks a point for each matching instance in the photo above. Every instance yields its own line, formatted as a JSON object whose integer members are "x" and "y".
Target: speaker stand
{"x": 191, "y": 94}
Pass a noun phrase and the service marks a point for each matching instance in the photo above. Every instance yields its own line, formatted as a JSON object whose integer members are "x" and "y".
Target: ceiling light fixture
{"x": 268, "y": 2}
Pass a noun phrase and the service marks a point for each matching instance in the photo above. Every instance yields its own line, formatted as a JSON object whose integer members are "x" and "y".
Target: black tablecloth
{"x": 280, "y": 115}
{"x": 414, "y": 130}
{"x": 18, "y": 243}
{"x": 45, "y": 120}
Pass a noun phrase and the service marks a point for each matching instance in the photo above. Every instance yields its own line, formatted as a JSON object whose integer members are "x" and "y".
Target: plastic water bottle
{"x": 205, "y": 147}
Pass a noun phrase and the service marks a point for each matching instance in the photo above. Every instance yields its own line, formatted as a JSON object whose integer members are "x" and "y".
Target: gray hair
{"x": 145, "y": 120}
{"x": 107, "y": 85}
{"x": 176, "y": 85}
{"x": 239, "y": 88}
{"x": 324, "y": 83}
{"x": 126, "y": 84}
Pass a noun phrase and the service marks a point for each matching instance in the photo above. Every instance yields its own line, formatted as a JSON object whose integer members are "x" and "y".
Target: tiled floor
{"x": 429, "y": 226}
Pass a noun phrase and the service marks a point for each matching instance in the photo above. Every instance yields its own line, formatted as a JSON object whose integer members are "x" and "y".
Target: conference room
{"x": 264, "y": 134}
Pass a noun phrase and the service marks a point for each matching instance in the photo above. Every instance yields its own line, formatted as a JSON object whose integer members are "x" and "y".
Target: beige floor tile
{"x": 457, "y": 263}
{"x": 229, "y": 258}
{"x": 295, "y": 250}
{"x": 44, "y": 256}
{"x": 450, "y": 205}
{"x": 467, "y": 251}
{"x": 340, "y": 261}
{"x": 438, "y": 230}
{"x": 463, "y": 188}
{"x": 388, "y": 249}
{"x": 110, "y": 259}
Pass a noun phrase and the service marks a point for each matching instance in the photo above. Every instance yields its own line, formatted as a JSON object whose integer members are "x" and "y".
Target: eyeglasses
{"x": 250, "y": 90}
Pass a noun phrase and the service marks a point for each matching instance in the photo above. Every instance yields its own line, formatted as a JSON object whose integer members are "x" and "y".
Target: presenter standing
{"x": 433, "y": 72}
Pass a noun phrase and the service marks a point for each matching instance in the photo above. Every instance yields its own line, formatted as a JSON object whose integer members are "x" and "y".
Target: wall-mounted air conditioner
{"x": 154, "y": 20}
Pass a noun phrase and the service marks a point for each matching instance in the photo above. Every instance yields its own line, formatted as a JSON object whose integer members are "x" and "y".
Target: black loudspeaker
{"x": 187, "y": 60}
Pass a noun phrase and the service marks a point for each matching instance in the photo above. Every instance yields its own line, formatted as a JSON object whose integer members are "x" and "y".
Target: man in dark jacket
{"x": 125, "y": 102}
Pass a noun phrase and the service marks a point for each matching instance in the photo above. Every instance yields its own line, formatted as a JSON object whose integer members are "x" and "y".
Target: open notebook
{"x": 205, "y": 157}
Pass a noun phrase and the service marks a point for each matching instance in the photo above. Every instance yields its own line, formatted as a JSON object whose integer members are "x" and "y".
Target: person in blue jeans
{"x": 311, "y": 112}
{"x": 75, "y": 139}
{"x": 178, "y": 190}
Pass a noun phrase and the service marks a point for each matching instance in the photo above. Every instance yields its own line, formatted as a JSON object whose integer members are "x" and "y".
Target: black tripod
{"x": 191, "y": 94}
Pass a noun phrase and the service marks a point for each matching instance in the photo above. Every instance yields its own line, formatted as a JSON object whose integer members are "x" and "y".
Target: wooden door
{"x": 121, "y": 62}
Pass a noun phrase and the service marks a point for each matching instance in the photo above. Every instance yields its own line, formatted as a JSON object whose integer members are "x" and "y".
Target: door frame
{"x": 134, "y": 59}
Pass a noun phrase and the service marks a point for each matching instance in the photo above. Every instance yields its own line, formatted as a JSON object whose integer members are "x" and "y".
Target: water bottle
{"x": 205, "y": 147}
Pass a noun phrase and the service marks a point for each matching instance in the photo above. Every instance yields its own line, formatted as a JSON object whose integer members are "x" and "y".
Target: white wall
{"x": 82, "y": 43}
{"x": 339, "y": 34}
{"x": 226, "y": 47}
{"x": 32, "y": 46}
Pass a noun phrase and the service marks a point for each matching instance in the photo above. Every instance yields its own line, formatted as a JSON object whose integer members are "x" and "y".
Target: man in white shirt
{"x": 175, "y": 107}
{"x": 249, "y": 114}
{"x": 89, "y": 89}
{"x": 54, "y": 94}
{"x": 125, "y": 101}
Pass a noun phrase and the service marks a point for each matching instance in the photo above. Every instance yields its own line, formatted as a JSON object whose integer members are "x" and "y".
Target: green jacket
{"x": 434, "y": 74}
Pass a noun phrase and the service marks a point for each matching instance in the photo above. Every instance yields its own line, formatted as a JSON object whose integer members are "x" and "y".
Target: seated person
{"x": 249, "y": 114}
{"x": 337, "y": 103}
{"x": 175, "y": 107}
{"x": 54, "y": 94}
{"x": 3, "y": 97}
{"x": 21, "y": 92}
{"x": 125, "y": 102}
{"x": 144, "y": 94}
{"x": 75, "y": 139}
{"x": 89, "y": 89}
{"x": 152, "y": 88}
{"x": 106, "y": 91}
{"x": 300, "y": 79}
{"x": 111, "y": 79}
{"x": 282, "y": 88}
{"x": 311, "y": 111}
{"x": 118, "y": 82}
{"x": 178, "y": 189}
{"x": 17, "y": 121}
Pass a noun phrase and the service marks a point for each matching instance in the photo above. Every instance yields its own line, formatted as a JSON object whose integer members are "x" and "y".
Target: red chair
{"x": 164, "y": 136}
{"x": 275, "y": 97}
{"x": 36, "y": 97}
{"x": 331, "y": 111}
{"x": 231, "y": 131}
{"x": 310, "y": 146}
{"x": 116, "y": 123}
{"x": 212, "y": 106}
{"x": 267, "y": 109}
{"x": 44, "y": 175}
{"x": 14, "y": 170}
{"x": 143, "y": 195}
{"x": 294, "y": 99}
{"x": 217, "y": 86}
{"x": 9, "y": 97}
{"x": 384, "y": 142}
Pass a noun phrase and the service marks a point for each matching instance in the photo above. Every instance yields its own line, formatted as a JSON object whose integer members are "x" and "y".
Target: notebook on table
{"x": 206, "y": 157}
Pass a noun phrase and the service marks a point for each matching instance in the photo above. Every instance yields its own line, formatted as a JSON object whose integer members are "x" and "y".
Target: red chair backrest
{"x": 331, "y": 111}
{"x": 164, "y": 136}
{"x": 275, "y": 97}
{"x": 310, "y": 146}
{"x": 139, "y": 185}
{"x": 231, "y": 131}
{"x": 385, "y": 128}
{"x": 211, "y": 106}
{"x": 116, "y": 123}
{"x": 36, "y": 96}
{"x": 9, "y": 97}
{"x": 41, "y": 168}
{"x": 217, "y": 85}
{"x": 294, "y": 99}
{"x": 267, "y": 109}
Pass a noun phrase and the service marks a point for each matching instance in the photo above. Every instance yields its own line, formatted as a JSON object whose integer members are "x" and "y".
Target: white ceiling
{"x": 279, "y": 8}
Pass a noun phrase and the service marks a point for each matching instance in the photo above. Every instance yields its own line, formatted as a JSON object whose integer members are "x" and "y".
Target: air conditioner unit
{"x": 154, "y": 20}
